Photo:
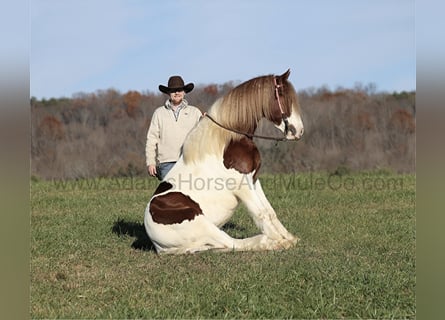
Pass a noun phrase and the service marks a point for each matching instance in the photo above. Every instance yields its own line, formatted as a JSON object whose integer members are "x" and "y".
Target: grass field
{"x": 90, "y": 257}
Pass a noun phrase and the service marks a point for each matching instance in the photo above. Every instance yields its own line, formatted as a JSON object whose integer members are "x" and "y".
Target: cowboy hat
{"x": 175, "y": 83}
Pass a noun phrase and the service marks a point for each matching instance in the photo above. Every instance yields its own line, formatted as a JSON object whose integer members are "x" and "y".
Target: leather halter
{"x": 283, "y": 115}
{"x": 250, "y": 135}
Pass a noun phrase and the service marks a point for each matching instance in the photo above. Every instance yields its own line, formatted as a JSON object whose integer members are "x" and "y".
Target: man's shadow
{"x": 136, "y": 230}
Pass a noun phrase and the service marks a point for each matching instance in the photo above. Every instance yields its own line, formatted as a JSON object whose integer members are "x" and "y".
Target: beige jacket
{"x": 167, "y": 133}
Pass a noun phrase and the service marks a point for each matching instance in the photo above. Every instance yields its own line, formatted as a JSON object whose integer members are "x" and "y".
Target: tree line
{"x": 102, "y": 134}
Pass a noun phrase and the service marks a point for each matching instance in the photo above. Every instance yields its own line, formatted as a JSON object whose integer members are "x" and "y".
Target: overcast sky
{"x": 89, "y": 45}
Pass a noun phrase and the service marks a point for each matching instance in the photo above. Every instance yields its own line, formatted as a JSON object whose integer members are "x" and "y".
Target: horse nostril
{"x": 300, "y": 133}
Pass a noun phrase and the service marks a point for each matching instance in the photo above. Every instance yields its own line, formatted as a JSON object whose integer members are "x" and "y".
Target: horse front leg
{"x": 264, "y": 216}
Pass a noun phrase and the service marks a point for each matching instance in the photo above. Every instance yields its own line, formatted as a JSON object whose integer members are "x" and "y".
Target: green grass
{"x": 90, "y": 257}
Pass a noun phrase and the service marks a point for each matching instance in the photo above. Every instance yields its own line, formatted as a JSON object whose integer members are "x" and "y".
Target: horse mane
{"x": 245, "y": 105}
{"x": 240, "y": 109}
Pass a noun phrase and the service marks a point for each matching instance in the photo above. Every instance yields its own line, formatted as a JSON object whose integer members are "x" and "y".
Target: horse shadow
{"x": 124, "y": 228}
{"x": 230, "y": 226}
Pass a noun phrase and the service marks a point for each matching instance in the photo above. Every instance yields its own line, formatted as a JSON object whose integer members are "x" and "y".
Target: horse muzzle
{"x": 294, "y": 133}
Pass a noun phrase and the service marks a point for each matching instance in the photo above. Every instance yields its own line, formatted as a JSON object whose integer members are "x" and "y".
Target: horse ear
{"x": 285, "y": 75}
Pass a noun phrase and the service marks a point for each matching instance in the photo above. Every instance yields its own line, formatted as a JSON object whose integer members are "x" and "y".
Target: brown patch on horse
{"x": 173, "y": 207}
{"x": 163, "y": 186}
{"x": 243, "y": 156}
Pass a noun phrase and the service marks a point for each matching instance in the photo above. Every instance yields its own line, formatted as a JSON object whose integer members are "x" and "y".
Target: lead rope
{"x": 249, "y": 135}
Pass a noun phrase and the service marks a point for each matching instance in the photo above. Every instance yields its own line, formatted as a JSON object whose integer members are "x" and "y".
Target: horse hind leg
{"x": 211, "y": 238}
{"x": 216, "y": 239}
{"x": 262, "y": 242}
{"x": 227, "y": 244}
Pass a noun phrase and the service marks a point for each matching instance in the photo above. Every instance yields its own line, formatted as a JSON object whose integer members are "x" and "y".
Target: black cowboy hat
{"x": 175, "y": 83}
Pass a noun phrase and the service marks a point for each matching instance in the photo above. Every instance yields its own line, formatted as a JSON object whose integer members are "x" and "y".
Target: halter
{"x": 283, "y": 115}
{"x": 249, "y": 135}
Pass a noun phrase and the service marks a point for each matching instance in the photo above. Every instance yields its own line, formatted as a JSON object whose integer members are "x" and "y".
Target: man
{"x": 169, "y": 127}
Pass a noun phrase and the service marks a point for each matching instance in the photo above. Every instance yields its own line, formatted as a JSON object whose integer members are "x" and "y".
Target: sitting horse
{"x": 218, "y": 168}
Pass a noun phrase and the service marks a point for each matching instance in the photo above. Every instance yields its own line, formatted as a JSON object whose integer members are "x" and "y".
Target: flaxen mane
{"x": 241, "y": 109}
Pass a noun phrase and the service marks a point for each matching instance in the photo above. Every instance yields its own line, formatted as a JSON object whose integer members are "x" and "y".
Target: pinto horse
{"x": 218, "y": 168}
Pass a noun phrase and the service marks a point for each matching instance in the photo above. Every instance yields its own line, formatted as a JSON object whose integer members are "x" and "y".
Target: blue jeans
{"x": 163, "y": 168}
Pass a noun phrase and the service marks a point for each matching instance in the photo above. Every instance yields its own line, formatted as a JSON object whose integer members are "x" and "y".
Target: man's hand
{"x": 152, "y": 170}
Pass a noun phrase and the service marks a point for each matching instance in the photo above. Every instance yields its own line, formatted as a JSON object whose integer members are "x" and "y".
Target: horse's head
{"x": 285, "y": 110}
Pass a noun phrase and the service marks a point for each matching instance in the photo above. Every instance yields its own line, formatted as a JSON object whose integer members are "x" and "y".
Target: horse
{"x": 218, "y": 168}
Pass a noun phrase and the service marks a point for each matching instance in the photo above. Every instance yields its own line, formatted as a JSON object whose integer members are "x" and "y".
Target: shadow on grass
{"x": 136, "y": 230}
{"x": 231, "y": 226}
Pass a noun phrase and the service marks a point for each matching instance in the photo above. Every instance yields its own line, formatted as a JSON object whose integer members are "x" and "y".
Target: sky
{"x": 81, "y": 46}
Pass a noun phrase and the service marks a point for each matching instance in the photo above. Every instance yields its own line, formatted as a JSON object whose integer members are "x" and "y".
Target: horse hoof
{"x": 295, "y": 240}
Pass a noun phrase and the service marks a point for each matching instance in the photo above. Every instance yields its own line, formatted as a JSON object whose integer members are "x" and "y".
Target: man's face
{"x": 176, "y": 97}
